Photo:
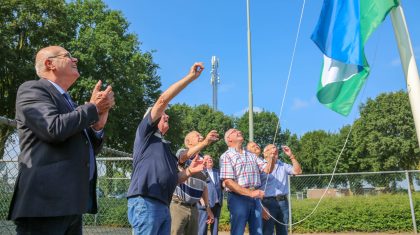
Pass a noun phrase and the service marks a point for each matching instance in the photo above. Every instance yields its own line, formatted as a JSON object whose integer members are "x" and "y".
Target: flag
{"x": 341, "y": 33}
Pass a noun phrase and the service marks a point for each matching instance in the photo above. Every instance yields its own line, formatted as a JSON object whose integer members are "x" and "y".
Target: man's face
{"x": 236, "y": 137}
{"x": 65, "y": 65}
{"x": 209, "y": 163}
{"x": 254, "y": 148}
{"x": 271, "y": 150}
{"x": 194, "y": 138}
{"x": 163, "y": 124}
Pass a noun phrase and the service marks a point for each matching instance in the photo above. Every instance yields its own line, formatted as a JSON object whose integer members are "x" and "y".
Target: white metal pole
{"x": 250, "y": 101}
{"x": 409, "y": 64}
{"x": 410, "y": 198}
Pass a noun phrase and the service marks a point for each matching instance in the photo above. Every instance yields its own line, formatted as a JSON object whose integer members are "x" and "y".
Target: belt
{"x": 278, "y": 197}
{"x": 184, "y": 203}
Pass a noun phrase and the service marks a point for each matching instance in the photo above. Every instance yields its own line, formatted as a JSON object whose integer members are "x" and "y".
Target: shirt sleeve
{"x": 289, "y": 169}
{"x": 260, "y": 162}
{"x": 226, "y": 167}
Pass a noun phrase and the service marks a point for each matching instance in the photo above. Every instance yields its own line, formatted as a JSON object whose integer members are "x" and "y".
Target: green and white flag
{"x": 341, "y": 33}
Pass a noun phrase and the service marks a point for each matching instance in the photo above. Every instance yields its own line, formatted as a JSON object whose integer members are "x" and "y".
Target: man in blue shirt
{"x": 276, "y": 189}
{"x": 155, "y": 173}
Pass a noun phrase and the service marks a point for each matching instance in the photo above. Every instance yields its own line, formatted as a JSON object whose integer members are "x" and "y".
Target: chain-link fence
{"x": 366, "y": 202}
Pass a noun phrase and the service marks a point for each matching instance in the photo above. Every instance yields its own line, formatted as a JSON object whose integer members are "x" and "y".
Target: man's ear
{"x": 49, "y": 65}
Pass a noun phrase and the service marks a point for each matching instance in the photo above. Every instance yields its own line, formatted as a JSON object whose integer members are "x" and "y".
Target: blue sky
{"x": 183, "y": 32}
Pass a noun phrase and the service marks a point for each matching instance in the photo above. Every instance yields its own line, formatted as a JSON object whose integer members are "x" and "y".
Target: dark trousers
{"x": 202, "y": 224}
{"x": 280, "y": 211}
{"x": 60, "y": 225}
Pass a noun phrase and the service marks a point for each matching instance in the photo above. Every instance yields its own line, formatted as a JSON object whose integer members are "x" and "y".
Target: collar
{"x": 233, "y": 149}
{"x": 160, "y": 136}
{"x": 61, "y": 90}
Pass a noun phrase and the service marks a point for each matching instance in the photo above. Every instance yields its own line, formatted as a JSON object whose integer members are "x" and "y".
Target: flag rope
{"x": 278, "y": 126}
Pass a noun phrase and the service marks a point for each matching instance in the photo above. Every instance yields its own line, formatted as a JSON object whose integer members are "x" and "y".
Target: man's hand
{"x": 210, "y": 216}
{"x": 103, "y": 100}
{"x": 196, "y": 165}
{"x": 257, "y": 194}
{"x": 195, "y": 70}
{"x": 287, "y": 151}
{"x": 265, "y": 214}
{"x": 211, "y": 137}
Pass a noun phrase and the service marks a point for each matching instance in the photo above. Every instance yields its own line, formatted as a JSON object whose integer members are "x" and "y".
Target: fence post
{"x": 290, "y": 204}
{"x": 413, "y": 216}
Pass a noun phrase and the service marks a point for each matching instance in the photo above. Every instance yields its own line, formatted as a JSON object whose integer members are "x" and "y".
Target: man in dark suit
{"x": 56, "y": 183}
{"x": 215, "y": 197}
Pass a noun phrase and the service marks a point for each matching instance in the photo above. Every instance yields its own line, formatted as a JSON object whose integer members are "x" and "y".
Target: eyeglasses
{"x": 67, "y": 54}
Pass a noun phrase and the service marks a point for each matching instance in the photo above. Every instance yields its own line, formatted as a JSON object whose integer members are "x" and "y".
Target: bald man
{"x": 193, "y": 192}
{"x": 240, "y": 171}
{"x": 276, "y": 189}
{"x": 58, "y": 142}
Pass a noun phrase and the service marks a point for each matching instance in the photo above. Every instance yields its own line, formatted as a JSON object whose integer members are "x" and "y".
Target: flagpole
{"x": 409, "y": 64}
{"x": 250, "y": 102}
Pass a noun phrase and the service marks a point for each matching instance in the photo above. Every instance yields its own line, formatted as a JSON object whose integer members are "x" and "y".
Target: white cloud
{"x": 224, "y": 88}
{"x": 255, "y": 109}
{"x": 301, "y": 104}
{"x": 396, "y": 62}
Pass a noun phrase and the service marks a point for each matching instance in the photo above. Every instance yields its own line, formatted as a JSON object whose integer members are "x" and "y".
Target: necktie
{"x": 73, "y": 105}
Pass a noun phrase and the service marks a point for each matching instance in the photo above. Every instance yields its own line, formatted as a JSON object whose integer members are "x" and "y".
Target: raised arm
{"x": 211, "y": 137}
{"x": 297, "y": 170}
{"x": 164, "y": 99}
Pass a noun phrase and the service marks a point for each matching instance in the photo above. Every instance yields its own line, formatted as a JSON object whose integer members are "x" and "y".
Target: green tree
{"x": 108, "y": 52}
{"x": 265, "y": 124}
{"x": 25, "y": 27}
{"x": 310, "y": 153}
{"x": 384, "y": 136}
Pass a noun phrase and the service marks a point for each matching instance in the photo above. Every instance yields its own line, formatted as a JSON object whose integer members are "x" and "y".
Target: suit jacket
{"x": 215, "y": 188}
{"x": 53, "y": 177}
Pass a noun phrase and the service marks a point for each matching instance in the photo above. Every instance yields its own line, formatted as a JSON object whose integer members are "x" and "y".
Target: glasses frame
{"x": 67, "y": 54}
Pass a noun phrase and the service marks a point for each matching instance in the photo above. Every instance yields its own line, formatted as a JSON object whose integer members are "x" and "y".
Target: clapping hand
{"x": 103, "y": 100}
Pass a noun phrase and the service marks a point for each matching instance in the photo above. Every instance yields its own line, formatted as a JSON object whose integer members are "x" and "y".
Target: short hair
{"x": 229, "y": 132}
{"x": 269, "y": 146}
{"x": 187, "y": 137}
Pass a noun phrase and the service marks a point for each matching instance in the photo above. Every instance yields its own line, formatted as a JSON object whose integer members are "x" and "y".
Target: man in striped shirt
{"x": 240, "y": 172}
{"x": 186, "y": 196}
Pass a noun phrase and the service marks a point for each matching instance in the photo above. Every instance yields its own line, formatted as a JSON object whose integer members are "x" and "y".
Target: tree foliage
{"x": 384, "y": 135}
{"x": 108, "y": 52}
{"x": 265, "y": 125}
